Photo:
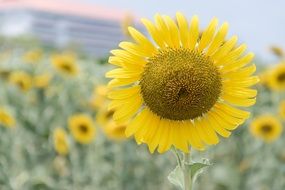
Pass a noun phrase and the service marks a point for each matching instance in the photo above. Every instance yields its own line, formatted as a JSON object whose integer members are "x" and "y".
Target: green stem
{"x": 187, "y": 172}
{"x": 176, "y": 154}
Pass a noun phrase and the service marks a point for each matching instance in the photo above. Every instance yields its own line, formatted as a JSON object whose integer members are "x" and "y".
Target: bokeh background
{"x": 56, "y": 131}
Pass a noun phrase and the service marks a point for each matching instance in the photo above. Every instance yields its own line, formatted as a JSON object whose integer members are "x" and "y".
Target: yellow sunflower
{"x": 66, "y": 64}
{"x": 266, "y": 127}
{"x": 278, "y": 51}
{"x": 42, "y": 80}
{"x": 33, "y": 56}
{"x": 21, "y": 79}
{"x": 6, "y": 118}
{"x": 99, "y": 96}
{"x": 282, "y": 109}
{"x": 104, "y": 115}
{"x": 60, "y": 141}
{"x": 82, "y": 128}
{"x": 114, "y": 131}
{"x": 181, "y": 91}
{"x": 276, "y": 77}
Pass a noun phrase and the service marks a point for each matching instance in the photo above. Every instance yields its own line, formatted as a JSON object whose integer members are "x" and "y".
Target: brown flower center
{"x": 180, "y": 84}
{"x": 66, "y": 67}
{"x": 266, "y": 128}
{"x": 281, "y": 77}
{"x": 83, "y": 128}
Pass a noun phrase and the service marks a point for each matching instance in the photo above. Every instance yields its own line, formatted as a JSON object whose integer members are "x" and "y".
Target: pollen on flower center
{"x": 180, "y": 84}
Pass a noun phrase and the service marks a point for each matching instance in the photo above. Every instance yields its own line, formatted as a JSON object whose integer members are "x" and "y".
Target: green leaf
{"x": 196, "y": 168}
{"x": 176, "y": 177}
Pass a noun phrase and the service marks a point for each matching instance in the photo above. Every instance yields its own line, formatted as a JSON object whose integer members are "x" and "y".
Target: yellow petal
{"x": 208, "y": 34}
{"x": 232, "y": 110}
{"x": 183, "y": 29}
{"x": 179, "y": 138}
{"x": 241, "y": 92}
{"x": 120, "y": 102}
{"x": 207, "y": 135}
{"x": 193, "y": 135}
{"x": 225, "y": 49}
{"x": 173, "y": 30}
{"x": 239, "y": 63}
{"x": 242, "y": 82}
{"x": 232, "y": 55}
{"x": 135, "y": 124}
{"x": 219, "y": 39}
{"x": 217, "y": 126}
{"x": 127, "y": 63}
{"x": 232, "y": 120}
{"x": 128, "y": 109}
{"x": 123, "y": 73}
{"x": 152, "y": 127}
{"x": 164, "y": 138}
{"x": 244, "y": 72}
{"x": 136, "y": 49}
{"x": 239, "y": 101}
{"x": 155, "y": 141}
{"x": 115, "y": 61}
{"x": 122, "y": 82}
{"x": 128, "y": 58}
{"x": 153, "y": 31}
{"x": 214, "y": 139}
{"x": 140, "y": 135}
{"x": 194, "y": 32}
{"x": 141, "y": 39}
{"x": 163, "y": 30}
{"x": 124, "y": 93}
{"x": 223, "y": 122}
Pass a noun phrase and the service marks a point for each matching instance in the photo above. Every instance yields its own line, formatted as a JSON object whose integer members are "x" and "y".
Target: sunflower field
{"x": 180, "y": 107}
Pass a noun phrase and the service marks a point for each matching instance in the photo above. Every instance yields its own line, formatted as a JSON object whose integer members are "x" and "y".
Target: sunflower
{"x": 6, "y": 118}
{"x": 276, "y": 77}
{"x": 65, "y": 63}
{"x": 21, "y": 79}
{"x": 60, "y": 141}
{"x": 282, "y": 109}
{"x": 99, "y": 96}
{"x": 42, "y": 80}
{"x": 104, "y": 115}
{"x": 33, "y": 56}
{"x": 114, "y": 131}
{"x": 266, "y": 127}
{"x": 278, "y": 51}
{"x": 181, "y": 91}
{"x": 82, "y": 128}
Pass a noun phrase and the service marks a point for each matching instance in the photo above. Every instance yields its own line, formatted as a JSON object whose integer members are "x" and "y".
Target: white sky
{"x": 259, "y": 23}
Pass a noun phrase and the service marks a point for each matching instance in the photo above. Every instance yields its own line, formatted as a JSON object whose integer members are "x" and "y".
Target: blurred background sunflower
{"x": 266, "y": 127}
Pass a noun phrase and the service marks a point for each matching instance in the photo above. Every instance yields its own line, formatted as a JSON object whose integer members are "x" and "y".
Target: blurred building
{"x": 59, "y": 23}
